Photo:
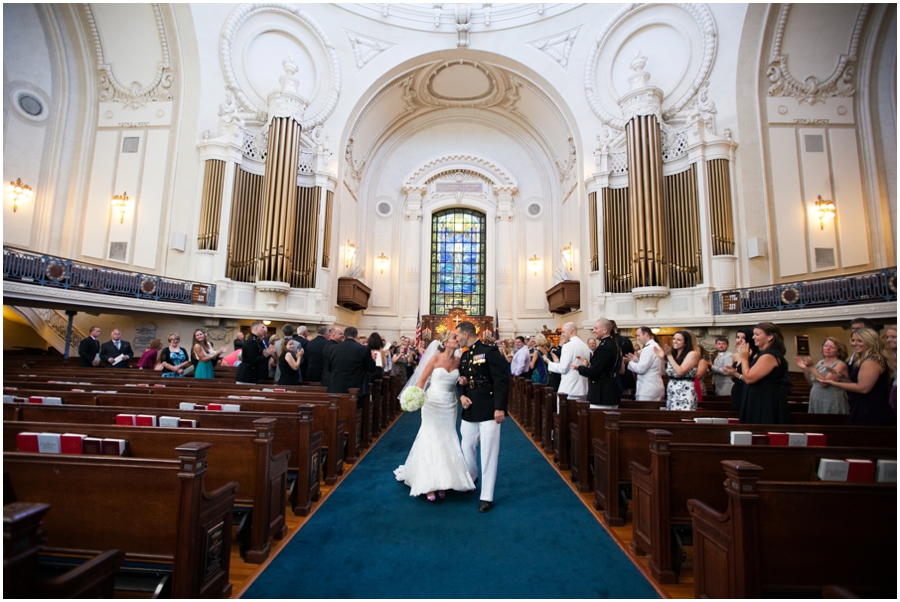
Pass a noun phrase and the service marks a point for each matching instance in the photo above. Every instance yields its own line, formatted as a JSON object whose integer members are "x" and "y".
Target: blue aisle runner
{"x": 370, "y": 539}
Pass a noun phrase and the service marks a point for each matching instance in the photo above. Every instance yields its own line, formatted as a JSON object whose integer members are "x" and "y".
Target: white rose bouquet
{"x": 412, "y": 399}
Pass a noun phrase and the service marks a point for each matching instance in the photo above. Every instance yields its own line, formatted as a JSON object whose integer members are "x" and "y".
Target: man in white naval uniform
{"x": 648, "y": 368}
{"x": 571, "y": 383}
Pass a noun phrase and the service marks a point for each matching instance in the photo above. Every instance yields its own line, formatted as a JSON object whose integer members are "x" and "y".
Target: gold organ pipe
{"x": 211, "y": 205}
{"x": 280, "y": 200}
{"x": 326, "y": 243}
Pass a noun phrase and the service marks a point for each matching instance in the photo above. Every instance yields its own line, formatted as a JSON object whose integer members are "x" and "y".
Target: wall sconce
{"x": 825, "y": 209}
{"x": 21, "y": 193}
{"x": 655, "y": 330}
{"x": 120, "y": 203}
{"x": 381, "y": 262}
{"x": 267, "y": 322}
{"x": 568, "y": 256}
{"x": 535, "y": 263}
{"x": 350, "y": 253}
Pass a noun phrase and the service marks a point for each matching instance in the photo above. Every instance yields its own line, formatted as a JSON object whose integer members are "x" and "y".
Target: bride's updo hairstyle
{"x": 442, "y": 340}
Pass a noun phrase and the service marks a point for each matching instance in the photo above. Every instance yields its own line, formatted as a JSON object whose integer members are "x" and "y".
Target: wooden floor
{"x": 243, "y": 574}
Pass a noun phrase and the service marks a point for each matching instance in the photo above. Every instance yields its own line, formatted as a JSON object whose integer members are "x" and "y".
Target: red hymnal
{"x": 113, "y": 447}
{"x": 71, "y": 443}
{"x": 816, "y": 439}
{"x": 214, "y": 407}
{"x": 145, "y": 420}
{"x": 778, "y": 438}
{"x": 125, "y": 419}
{"x": 35, "y": 399}
{"x": 27, "y": 442}
{"x": 159, "y": 386}
{"x": 92, "y": 446}
{"x": 861, "y": 471}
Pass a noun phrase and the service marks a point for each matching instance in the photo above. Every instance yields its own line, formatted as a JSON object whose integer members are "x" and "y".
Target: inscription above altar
{"x": 476, "y": 187}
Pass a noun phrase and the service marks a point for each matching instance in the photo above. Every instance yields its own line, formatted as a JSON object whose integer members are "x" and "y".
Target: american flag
{"x": 418, "y": 329}
{"x": 497, "y": 326}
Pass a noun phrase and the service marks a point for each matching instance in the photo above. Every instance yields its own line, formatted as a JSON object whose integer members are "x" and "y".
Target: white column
{"x": 507, "y": 245}
{"x": 414, "y": 264}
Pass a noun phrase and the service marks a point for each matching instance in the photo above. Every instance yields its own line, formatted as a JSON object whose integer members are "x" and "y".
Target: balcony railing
{"x": 869, "y": 287}
{"x": 57, "y": 272}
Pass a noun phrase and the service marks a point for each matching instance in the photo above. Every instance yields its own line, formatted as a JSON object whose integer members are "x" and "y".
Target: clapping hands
{"x": 662, "y": 353}
{"x": 804, "y": 362}
{"x": 743, "y": 351}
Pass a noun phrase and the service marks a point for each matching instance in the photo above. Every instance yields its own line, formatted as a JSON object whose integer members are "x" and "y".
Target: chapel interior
{"x": 391, "y": 167}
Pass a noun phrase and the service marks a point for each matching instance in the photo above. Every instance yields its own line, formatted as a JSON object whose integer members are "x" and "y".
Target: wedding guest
{"x": 827, "y": 400}
{"x": 539, "y": 374}
{"x": 335, "y": 337}
{"x": 233, "y": 359}
{"x": 603, "y": 390}
{"x": 174, "y": 359}
{"x": 648, "y": 367}
{"x": 376, "y": 346}
{"x": 272, "y": 366}
{"x": 204, "y": 355}
{"x": 301, "y": 337}
{"x": 349, "y": 363}
{"x": 681, "y": 367}
{"x": 744, "y": 336}
{"x": 289, "y": 363}
{"x": 519, "y": 365}
{"x": 721, "y": 381}
{"x": 890, "y": 346}
{"x": 89, "y": 349}
{"x": 571, "y": 382}
{"x": 255, "y": 356}
{"x": 149, "y": 357}
{"x": 401, "y": 359}
{"x": 238, "y": 340}
{"x": 314, "y": 356}
{"x": 506, "y": 350}
{"x": 553, "y": 378}
{"x": 856, "y": 324}
{"x": 702, "y": 368}
{"x": 115, "y": 349}
{"x": 592, "y": 345}
{"x": 765, "y": 401}
{"x": 869, "y": 386}
{"x": 625, "y": 378}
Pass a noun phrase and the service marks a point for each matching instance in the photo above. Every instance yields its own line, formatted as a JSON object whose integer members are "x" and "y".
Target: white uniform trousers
{"x": 488, "y": 432}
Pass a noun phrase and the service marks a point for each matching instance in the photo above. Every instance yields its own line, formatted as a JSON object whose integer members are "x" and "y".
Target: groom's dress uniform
{"x": 488, "y": 388}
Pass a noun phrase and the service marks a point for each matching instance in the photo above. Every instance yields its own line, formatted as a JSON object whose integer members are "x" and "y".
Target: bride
{"x": 435, "y": 462}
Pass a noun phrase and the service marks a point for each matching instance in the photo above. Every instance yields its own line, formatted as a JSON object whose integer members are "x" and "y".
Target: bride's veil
{"x": 414, "y": 379}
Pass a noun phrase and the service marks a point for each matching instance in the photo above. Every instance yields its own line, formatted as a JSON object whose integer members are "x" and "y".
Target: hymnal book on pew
{"x": 159, "y": 386}
{"x": 860, "y": 471}
{"x": 93, "y": 446}
{"x": 145, "y": 420}
{"x": 833, "y": 470}
{"x": 778, "y": 438}
{"x": 126, "y": 419}
{"x": 35, "y": 399}
{"x": 143, "y": 385}
{"x": 214, "y": 407}
{"x": 184, "y": 423}
{"x": 797, "y": 439}
{"x": 760, "y": 440}
{"x": 9, "y": 399}
{"x": 48, "y": 443}
{"x": 27, "y": 442}
{"x": 279, "y": 390}
{"x": 816, "y": 439}
{"x": 113, "y": 447}
{"x": 886, "y": 471}
{"x": 741, "y": 438}
{"x": 72, "y": 443}
{"x": 186, "y": 405}
{"x": 169, "y": 421}
{"x": 197, "y": 406}
{"x": 53, "y": 401}
{"x": 231, "y": 407}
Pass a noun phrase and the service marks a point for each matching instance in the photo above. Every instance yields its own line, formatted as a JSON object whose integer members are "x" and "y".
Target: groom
{"x": 484, "y": 394}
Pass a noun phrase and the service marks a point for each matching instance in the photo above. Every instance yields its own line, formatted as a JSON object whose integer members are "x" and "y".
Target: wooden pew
{"x": 795, "y": 537}
{"x": 23, "y": 540}
{"x": 157, "y": 511}
{"x": 291, "y": 432}
{"x": 679, "y": 471}
{"x": 241, "y": 456}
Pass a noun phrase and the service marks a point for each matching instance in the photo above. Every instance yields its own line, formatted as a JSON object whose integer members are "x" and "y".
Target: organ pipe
{"x": 682, "y": 228}
{"x": 595, "y": 248}
{"x": 303, "y": 272}
{"x": 645, "y": 202}
{"x": 326, "y": 243}
{"x": 211, "y": 205}
{"x": 720, "y": 207}
{"x": 617, "y": 232}
{"x": 243, "y": 237}
{"x": 279, "y": 216}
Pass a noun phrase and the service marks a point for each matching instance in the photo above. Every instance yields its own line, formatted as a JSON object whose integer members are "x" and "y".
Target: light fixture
{"x": 535, "y": 263}
{"x": 655, "y": 330}
{"x": 568, "y": 256}
{"x": 350, "y": 253}
{"x": 120, "y": 203}
{"x": 382, "y": 262}
{"x": 21, "y": 193}
{"x": 267, "y": 322}
{"x": 826, "y": 210}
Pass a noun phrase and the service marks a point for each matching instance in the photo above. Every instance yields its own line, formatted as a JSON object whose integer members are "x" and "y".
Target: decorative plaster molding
{"x": 811, "y": 90}
{"x": 495, "y": 173}
{"x": 483, "y": 99}
{"x": 365, "y": 49}
{"x": 699, "y": 12}
{"x": 244, "y": 12}
{"x": 134, "y": 96}
{"x": 558, "y": 47}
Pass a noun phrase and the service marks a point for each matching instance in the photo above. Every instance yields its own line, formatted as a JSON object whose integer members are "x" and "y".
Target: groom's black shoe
{"x": 484, "y": 506}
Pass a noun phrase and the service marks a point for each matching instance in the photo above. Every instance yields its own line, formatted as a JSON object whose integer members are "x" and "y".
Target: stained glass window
{"x": 457, "y": 262}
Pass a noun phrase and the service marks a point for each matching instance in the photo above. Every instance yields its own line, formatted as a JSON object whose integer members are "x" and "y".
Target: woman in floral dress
{"x": 681, "y": 366}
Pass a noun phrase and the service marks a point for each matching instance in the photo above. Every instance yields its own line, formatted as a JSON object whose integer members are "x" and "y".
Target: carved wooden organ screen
{"x": 211, "y": 205}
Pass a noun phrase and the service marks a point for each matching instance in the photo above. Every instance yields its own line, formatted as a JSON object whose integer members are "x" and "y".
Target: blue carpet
{"x": 370, "y": 539}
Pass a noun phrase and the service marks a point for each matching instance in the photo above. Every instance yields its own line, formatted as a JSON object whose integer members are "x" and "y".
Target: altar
{"x": 434, "y": 326}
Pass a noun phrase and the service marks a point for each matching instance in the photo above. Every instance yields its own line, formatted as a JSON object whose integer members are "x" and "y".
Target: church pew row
{"x": 325, "y": 415}
{"x": 241, "y": 456}
{"x": 290, "y": 432}
{"x": 626, "y": 441}
{"x": 157, "y": 511}
{"x": 679, "y": 471}
{"x": 24, "y": 540}
{"x": 794, "y": 537}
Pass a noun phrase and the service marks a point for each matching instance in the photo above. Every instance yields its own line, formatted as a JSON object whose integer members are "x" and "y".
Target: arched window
{"x": 458, "y": 262}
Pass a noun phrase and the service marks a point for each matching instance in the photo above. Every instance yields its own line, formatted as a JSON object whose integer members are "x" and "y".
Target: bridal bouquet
{"x": 412, "y": 399}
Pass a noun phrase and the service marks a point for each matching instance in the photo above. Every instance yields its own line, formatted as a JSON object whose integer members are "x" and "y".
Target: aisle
{"x": 370, "y": 539}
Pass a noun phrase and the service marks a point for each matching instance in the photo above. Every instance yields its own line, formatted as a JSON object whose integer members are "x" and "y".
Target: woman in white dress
{"x": 435, "y": 462}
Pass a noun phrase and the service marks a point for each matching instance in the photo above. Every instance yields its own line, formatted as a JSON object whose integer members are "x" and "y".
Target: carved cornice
{"x": 244, "y": 12}
{"x": 699, "y": 12}
{"x": 811, "y": 90}
{"x": 134, "y": 96}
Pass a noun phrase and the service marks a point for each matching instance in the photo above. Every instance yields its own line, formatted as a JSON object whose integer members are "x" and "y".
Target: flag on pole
{"x": 418, "y": 329}
{"x": 497, "y": 326}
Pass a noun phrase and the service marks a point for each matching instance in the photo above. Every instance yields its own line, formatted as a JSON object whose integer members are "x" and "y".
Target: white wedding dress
{"x": 435, "y": 462}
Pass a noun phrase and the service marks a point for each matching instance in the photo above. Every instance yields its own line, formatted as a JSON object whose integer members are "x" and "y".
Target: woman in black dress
{"x": 289, "y": 363}
{"x": 744, "y": 336}
{"x": 765, "y": 401}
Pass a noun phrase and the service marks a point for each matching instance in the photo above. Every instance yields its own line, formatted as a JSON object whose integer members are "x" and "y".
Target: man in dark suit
{"x": 315, "y": 360}
{"x": 484, "y": 395}
{"x": 238, "y": 340}
{"x": 626, "y": 379}
{"x": 255, "y": 356}
{"x": 301, "y": 336}
{"x": 111, "y": 351}
{"x": 603, "y": 391}
{"x": 89, "y": 348}
{"x": 335, "y": 336}
{"x": 349, "y": 364}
